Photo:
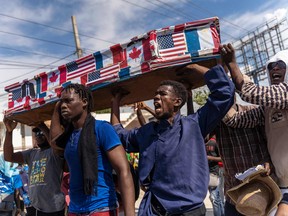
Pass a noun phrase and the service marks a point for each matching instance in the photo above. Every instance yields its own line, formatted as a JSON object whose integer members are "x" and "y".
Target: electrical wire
{"x": 34, "y": 53}
{"x": 39, "y": 39}
{"x": 172, "y": 8}
{"x": 36, "y": 69}
{"x": 14, "y": 63}
{"x": 55, "y": 28}
{"x": 136, "y": 5}
{"x": 212, "y": 14}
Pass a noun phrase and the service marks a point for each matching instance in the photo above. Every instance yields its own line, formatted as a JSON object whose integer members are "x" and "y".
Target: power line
{"x": 36, "y": 69}
{"x": 34, "y": 38}
{"x": 171, "y": 17}
{"x": 34, "y": 53}
{"x": 3, "y": 62}
{"x": 212, "y": 14}
{"x": 56, "y": 28}
{"x": 39, "y": 39}
{"x": 172, "y": 8}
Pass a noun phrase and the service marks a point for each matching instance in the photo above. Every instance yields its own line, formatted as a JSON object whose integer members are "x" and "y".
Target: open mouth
{"x": 157, "y": 106}
{"x": 276, "y": 76}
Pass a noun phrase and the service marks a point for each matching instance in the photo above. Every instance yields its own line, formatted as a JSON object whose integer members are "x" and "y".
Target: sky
{"x": 37, "y": 35}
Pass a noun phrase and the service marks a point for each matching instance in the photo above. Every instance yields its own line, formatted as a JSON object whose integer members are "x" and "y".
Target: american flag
{"x": 80, "y": 67}
{"x": 172, "y": 45}
{"x": 104, "y": 74}
{"x": 13, "y": 104}
{"x": 163, "y": 63}
{"x": 16, "y": 94}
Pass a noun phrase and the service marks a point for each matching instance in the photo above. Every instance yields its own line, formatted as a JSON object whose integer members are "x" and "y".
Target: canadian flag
{"x": 137, "y": 56}
{"x": 47, "y": 85}
{"x": 53, "y": 83}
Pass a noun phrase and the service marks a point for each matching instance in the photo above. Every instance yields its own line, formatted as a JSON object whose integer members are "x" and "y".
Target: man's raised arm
{"x": 9, "y": 154}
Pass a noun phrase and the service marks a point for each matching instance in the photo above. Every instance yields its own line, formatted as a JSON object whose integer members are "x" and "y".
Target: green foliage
{"x": 103, "y": 111}
{"x": 200, "y": 97}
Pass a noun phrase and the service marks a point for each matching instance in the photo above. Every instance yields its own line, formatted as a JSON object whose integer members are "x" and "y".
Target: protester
{"x": 92, "y": 150}
{"x": 142, "y": 106}
{"x": 25, "y": 201}
{"x": 65, "y": 185}
{"x": 240, "y": 149}
{"x": 10, "y": 181}
{"x": 273, "y": 110}
{"x": 251, "y": 142}
{"x": 214, "y": 182}
{"x": 173, "y": 162}
{"x": 45, "y": 171}
{"x": 257, "y": 195}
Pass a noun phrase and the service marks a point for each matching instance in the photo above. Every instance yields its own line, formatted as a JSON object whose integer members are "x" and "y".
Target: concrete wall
{"x": 22, "y": 136}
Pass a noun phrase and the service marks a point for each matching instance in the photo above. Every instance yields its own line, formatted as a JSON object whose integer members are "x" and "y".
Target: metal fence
{"x": 258, "y": 46}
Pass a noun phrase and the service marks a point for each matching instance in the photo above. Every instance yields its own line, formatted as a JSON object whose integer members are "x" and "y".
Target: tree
{"x": 200, "y": 97}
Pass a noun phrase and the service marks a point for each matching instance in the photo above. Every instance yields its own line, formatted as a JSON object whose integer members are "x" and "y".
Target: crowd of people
{"x": 79, "y": 165}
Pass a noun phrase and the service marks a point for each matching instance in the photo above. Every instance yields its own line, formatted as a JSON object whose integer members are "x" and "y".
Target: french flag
{"x": 203, "y": 40}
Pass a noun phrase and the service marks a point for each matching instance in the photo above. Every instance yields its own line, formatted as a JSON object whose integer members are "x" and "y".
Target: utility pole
{"x": 23, "y": 134}
{"x": 76, "y": 37}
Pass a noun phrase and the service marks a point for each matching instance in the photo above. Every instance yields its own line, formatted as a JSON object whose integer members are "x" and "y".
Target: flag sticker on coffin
{"x": 80, "y": 67}
{"x": 202, "y": 41}
{"x": 53, "y": 83}
{"x": 15, "y": 100}
{"x": 138, "y": 55}
{"x": 104, "y": 75}
{"x": 162, "y": 63}
{"x": 16, "y": 95}
{"x": 172, "y": 45}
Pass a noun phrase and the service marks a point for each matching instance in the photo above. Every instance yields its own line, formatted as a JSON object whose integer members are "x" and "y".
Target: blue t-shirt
{"x": 106, "y": 139}
{"x": 9, "y": 184}
{"x": 9, "y": 181}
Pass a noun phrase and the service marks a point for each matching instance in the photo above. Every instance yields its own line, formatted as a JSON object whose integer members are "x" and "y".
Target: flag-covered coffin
{"x": 138, "y": 66}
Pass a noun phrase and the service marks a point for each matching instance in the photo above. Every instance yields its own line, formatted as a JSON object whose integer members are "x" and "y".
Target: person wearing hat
{"x": 45, "y": 171}
{"x": 272, "y": 111}
{"x": 257, "y": 195}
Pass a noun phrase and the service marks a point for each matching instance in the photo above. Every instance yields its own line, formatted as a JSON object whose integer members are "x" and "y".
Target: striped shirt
{"x": 274, "y": 96}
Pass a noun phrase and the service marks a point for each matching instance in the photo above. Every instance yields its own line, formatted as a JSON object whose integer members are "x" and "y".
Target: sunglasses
{"x": 39, "y": 133}
{"x": 281, "y": 65}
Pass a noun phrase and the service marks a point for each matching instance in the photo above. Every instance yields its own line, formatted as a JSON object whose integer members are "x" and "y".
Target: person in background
{"x": 213, "y": 187}
{"x": 25, "y": 201}
{"x": 272, "y": 111}
{"x": 92, "y": 150}
{"x": 240, "y": 149}
{"x": 45, "y": 171}
{"x": 10, "y": 182}
{"x": 65, "y": 185}
{"x": 142, "y": 106}
{"x": 175, "y": 177}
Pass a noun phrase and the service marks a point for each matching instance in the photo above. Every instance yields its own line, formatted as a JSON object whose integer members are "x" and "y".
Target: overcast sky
{"x": 36, "y": 35}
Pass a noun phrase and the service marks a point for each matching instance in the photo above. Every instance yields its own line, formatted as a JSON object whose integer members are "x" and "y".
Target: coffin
{"x": 137, "y": 66}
